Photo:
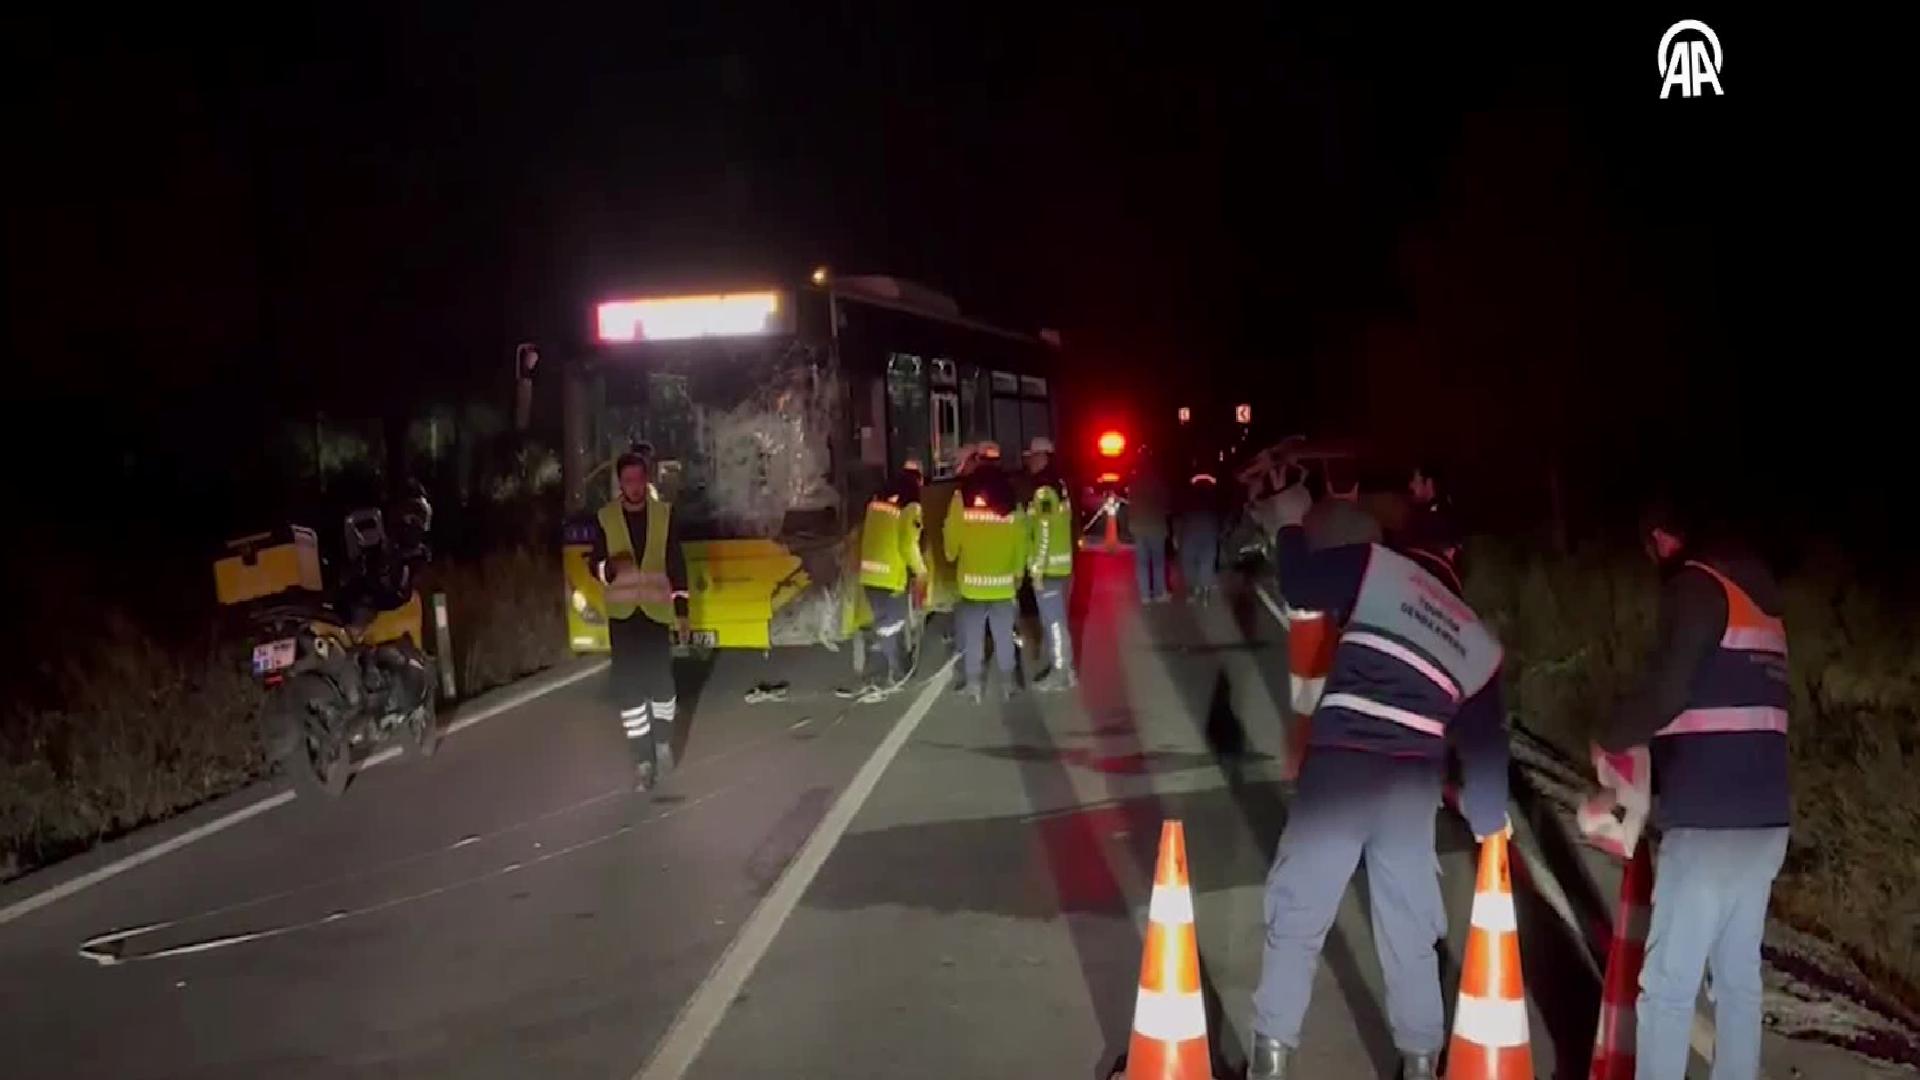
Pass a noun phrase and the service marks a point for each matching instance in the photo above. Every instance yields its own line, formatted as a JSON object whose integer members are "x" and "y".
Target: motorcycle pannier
{"x": 268, "y": 563}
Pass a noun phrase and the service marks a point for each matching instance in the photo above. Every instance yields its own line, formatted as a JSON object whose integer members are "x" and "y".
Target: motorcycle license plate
{"x": 272, "y": 656}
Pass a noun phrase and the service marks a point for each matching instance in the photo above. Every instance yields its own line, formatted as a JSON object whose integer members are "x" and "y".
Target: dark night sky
{"x": 1471, "y": 228}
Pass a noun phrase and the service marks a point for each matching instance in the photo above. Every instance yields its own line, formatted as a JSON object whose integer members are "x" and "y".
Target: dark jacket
{"x": 1733, "y": 780}
{"x": 1147, "y": 502}
{"x": 990, "y": 482}
{"x": 637, "y": 529}
{"x": 1330, "y": 580}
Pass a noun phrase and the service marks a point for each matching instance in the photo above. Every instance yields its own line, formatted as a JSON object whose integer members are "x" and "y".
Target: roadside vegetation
{"x": 1577, "y": 629}
{"x": 137, "y": 725}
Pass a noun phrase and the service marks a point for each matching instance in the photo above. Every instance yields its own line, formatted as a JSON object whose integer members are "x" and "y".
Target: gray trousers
{"x": 1050, "y": 596}
{"x": 1351, "y": 804}
{"x": 889, "y": 627}
{"x": 975, "y": 617}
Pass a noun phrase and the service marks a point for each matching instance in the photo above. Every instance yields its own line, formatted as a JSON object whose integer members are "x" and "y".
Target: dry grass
{"x": 127, "y": 730}
{"x": 507, "y": 615}
{"x": 1576, "y": 630}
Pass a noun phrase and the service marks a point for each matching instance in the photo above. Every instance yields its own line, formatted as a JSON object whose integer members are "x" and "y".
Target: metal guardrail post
{"x": 443, "y": 647}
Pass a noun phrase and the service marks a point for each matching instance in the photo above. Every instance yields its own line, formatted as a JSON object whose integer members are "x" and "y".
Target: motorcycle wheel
{"x": 313, "y": 751}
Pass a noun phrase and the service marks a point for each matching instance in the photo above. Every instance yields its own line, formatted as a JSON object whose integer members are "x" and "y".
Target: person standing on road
{"x": 1147, "y": 506}
{"x": 1197, "y": 535}
{"x": 637, "y": 556}
{"x": 985, "y": 536}
{"x": 890, "y": 563}
{"x": 1713, "y": 704}
{"x": 1050, "y": 540}
{"x": 1415, "y": 670}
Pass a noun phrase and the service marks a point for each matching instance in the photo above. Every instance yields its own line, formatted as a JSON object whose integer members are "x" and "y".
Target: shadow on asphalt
{"x": 1177, "y": 627}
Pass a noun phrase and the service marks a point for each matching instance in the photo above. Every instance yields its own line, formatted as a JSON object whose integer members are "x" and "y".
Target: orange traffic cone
{"x": 1169, "y": 1018}
{"x": 1113, "y": 525}
{"x": 1490, "y": 1022}
{"x": 1310, "y": 644}
{"x": 1613, "y": 1040}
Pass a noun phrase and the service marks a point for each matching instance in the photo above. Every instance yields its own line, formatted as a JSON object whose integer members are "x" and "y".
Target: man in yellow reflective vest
{"x": 1050, "y": 536}
{"x": 890, "y": 560}
{"x": 637, "y": 556}
{"x": 985, "y": 535}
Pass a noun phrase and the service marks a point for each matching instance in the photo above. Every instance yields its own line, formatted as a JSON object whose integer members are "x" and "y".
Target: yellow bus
{"x": 775, "y": 412}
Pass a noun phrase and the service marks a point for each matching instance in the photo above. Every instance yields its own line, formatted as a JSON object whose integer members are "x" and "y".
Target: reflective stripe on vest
{"x": 988, "y": 581}
{"x": 875, "y": 566}
{"x": 987, "y": 517}
{"x": 1760, "y": 640}
{"x": 883, "y": 507}
{"x": 1403, "y": 605}
{"x": 1408, "y": 657}
{"x": 1405, "y": 718}
{"x": 1728, "y": 719}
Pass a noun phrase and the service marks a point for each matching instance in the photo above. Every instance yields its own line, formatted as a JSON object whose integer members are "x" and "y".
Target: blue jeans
{"x": 1199, "y": 555}
{"x": 1352, "y": 804}
{"x": 976, "y": 617}
{"x": 1050, "y": 596}
{"x": 889, "y": 625}
{"x": 1150, "y": 565}
{"x": 1710, "y": 891}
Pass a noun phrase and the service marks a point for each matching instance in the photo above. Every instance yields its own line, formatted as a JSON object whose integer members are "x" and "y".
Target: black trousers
{"x": 643, "y": 683}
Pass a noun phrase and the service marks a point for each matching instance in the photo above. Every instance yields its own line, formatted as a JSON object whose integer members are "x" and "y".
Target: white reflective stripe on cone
{"x": 664, "y": 710}
{"x": 1491, "y": 1022}
{"x": 638, "y": 733}
{"x": 1494, "y": 911}
{"x": 638, "y": 710}
{"x": 1306, "y": 693}
{"x": 1170, "y": 1017}
{"x": 1171, "y": 907}
{"x": 642, "y": 725}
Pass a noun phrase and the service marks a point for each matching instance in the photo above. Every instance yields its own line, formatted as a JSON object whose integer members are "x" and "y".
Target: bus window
{"x": 976, "y": 418}
{"x": 1005, "y": 382}
{"x": 907, "y": 408}
{"x": 1035, "y": 419}
{"x": 1006, "y": 424}
{"x": 943, "y": 372}
{"x": 946, "y": 432}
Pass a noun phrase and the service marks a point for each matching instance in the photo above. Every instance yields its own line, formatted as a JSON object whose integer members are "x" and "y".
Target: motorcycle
{"x": 346, "y": 673}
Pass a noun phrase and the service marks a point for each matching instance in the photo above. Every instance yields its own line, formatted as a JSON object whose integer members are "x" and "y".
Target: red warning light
{"x": 1243, "y": 414}
{"x": 1112, "y": 444}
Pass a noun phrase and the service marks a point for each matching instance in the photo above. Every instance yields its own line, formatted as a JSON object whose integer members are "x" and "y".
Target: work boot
{"x": 1006, "y": 692}
{"x": 1269, "y": 1061}
{"x": 976, "y": 694}
{"x": 1416, "y": 1067}
{"x": 662, "y": 754}
{"x": 643, "y": 776}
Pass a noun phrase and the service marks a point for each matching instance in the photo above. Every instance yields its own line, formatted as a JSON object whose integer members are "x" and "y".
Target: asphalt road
{"x": 508, "y": 909}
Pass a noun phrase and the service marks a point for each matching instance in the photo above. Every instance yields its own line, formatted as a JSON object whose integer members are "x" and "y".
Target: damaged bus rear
{"x": 775, "y": 413}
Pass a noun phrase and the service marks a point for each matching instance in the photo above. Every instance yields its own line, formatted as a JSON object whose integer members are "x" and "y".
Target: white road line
{"x": 34, "y": 902}
{"x": 94, "y": 877}
{"x": 515, "y": 700}
{"x": 702, "y": 1014}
